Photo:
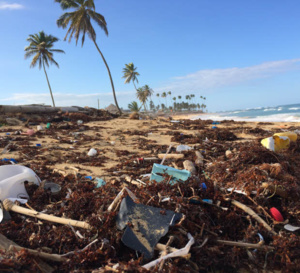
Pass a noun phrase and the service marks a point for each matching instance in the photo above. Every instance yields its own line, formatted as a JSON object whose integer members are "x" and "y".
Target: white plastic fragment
{"x": 182, "y": 148}
{"x": 179, "y": 253}
{"x": 92, "y": 152}
{"x": 291, "y": 228}
{"x": 240, "y": 191}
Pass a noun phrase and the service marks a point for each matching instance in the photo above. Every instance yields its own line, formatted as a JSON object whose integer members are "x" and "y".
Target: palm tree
{"x": 142, "y": 96}
{"x": 134, "y": 107}
{"x": 164, "y": 95}
{"x": 130, "y": 74}
{"x": 80, "y": 24}
{"x": 41, "y": 47}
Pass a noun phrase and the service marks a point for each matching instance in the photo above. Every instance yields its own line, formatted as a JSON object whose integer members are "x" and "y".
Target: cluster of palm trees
{"x": 143, "y": 93}
{"x": 79, "y": 22}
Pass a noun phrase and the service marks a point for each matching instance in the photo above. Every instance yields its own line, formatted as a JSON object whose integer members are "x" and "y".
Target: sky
{"x": 237, "y": 54}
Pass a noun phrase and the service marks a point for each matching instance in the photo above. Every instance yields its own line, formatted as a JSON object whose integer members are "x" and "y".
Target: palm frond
{"x": 35, "y": 59}
{"x": 67, "y": 4}
{"x": 99, "y": 19}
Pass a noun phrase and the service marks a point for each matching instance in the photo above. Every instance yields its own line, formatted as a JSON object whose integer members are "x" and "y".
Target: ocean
{"x": 281, "y": 113}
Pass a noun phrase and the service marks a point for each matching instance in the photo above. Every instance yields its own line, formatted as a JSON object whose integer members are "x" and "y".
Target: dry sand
{"x": 114, "y": 137}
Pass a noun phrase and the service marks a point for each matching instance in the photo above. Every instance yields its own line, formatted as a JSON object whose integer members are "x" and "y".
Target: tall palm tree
{"x": 41, "y": 46}
{"x": 130, "y": 74}
{"x": 148, "y": 91}
{"x": 142, "y": 96}
{"x": 164, "y": 95}
{"x": 80, "y": 24}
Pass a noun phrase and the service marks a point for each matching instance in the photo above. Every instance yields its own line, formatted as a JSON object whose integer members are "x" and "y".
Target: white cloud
{"x": 63, "y": 99}
{"x": 5, "y": 5}
{"x": 215, "y": 78}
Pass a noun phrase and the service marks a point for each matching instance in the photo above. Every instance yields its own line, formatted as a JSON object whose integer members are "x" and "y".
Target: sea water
{"x": 281, "y": 113}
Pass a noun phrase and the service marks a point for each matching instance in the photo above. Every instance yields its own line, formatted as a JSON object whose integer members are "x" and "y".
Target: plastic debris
{"x": 147, "y": 225}
{"x": 291, "y": 228}
{"x": 53, "y": 187}
{"x": 279, "y": 141}
{"x": 92, "y": 152}
{"x": 276, "y": 214}
{"x": 182, "y": 148}
{"x": 39, "y": 128}
{"x": 12, "y": 178}
{"x": 176, "y": 175}
{"x": 100, "y": 182}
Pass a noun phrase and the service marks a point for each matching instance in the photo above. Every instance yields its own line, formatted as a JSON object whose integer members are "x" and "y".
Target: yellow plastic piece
{"x": 276, "y": 143}
{"x": 291, "y": 135}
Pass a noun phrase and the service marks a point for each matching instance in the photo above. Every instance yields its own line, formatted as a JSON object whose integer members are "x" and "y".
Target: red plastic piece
{"x": 276, "y": 214}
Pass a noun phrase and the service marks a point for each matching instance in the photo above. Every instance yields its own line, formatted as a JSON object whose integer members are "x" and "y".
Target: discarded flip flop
{"x": 276, "y": 214}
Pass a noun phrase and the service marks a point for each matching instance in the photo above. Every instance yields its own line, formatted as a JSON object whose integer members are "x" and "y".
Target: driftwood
{"x": 5, "y": 244}
{"x": 44, "y": 255}
{"x": 245, "y": 245}
{"x": 275, "y": 189}
{"x": 176, "y": 156}
{"x": 189, "y": 166}
{"x": 253, "y": 214}
{"x": 9, "y": 205}
{"x": 35, "y": 109}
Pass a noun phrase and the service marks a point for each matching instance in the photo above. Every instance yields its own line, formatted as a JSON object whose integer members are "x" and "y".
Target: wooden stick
{"x": 9, "y": 205}
{"x": 253, "y": 214}
{"x": 246, "y": 245}
{"x": 44, "y": 255}
{"x": 166, "y": 156}
{"x": 5, "y": 245}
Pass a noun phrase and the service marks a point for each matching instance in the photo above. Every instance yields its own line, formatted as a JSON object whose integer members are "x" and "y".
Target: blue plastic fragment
{"x": 38, "y": 145}
{"x": 203, "y": 186}
{"x": 216, "y": 122}
{"x": 9, "y": 159}
{"x": 214, "y": 127}
{"x": 7, "y": 134}
{"x": 100, "y": 182}
{"x": 209, "y": 201}
{"x": 176, "y": 175}
{"x": 88, "y": 177}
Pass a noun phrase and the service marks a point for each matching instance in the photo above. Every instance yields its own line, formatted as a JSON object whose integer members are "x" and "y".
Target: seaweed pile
{"x": 225, "y": 204}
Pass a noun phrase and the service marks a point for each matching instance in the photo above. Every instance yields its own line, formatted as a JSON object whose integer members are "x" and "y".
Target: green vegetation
{"x": 134, "y": 107}
{"x": 41, "y": 48}
{"x": 130, "y": 74}
{"x": 80, "y": 24}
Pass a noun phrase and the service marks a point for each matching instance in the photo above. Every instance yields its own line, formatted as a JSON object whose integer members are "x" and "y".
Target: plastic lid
{"x": 276, "y": 214}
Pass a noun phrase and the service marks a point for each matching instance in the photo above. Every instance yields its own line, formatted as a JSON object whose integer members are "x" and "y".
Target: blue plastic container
{"x": 177, "y": 175}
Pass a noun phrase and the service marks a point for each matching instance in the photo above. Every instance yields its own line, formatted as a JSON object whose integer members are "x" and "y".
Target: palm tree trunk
{"x": 49, "y": 84}
{"x": 111, "y": 80}
{"x": 134, "y": 85}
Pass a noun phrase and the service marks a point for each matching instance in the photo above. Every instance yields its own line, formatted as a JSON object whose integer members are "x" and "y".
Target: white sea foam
{"x": 269, "y": 109}
{"x": 294, "y": 108}
{"x": 269, "y": 118}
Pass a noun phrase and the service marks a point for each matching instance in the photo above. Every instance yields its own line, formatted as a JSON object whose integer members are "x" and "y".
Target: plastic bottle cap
{"x": 276, "y": 214}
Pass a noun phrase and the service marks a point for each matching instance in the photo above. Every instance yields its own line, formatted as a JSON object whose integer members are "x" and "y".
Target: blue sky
{"x": 238, "y": 54}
